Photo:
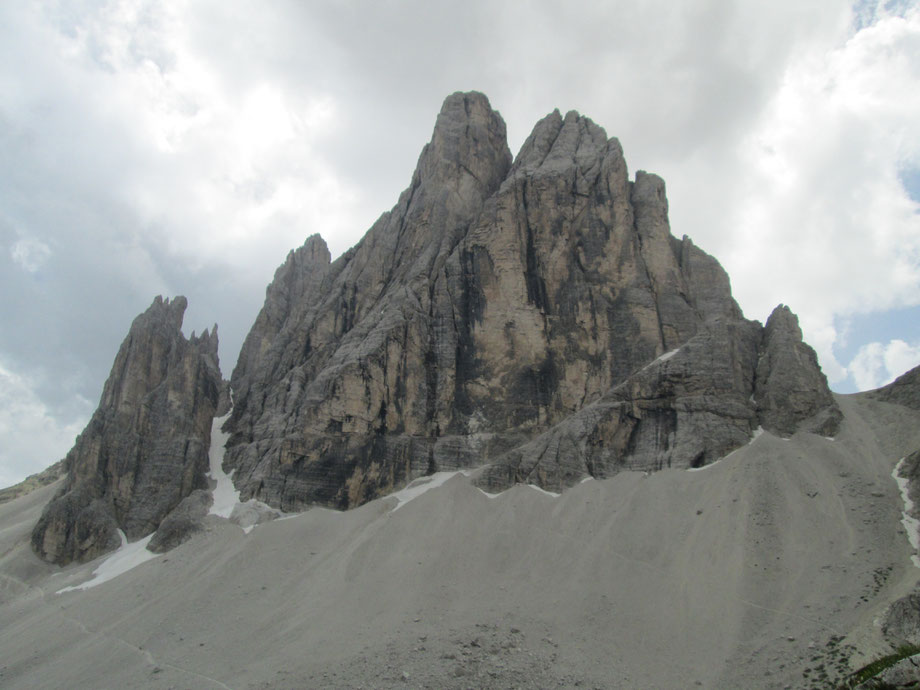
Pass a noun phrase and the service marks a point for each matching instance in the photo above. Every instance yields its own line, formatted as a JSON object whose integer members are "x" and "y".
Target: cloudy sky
{"x": 184, "y": 147}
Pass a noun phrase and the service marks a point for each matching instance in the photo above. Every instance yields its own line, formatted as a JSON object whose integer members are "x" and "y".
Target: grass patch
{"x": 874, "y": 668}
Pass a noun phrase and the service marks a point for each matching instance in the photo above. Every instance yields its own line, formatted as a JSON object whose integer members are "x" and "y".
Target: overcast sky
{"x": 184, "y": 147}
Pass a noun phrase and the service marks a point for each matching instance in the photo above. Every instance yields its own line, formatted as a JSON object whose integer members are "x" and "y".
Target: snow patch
{"x": 226, "y": 499}
{"x": 417, "y": 487}
{"x": 586, "y": 479}
{"x": 911, "y": 524}
{"x": 661, "y": 358}
{"x": 225, "y": 494}
{"x": 544, "y": 491}
{"x": 667, "y": 355}
{"x": 127, "y": 557}
{"x": 487, "y": 494}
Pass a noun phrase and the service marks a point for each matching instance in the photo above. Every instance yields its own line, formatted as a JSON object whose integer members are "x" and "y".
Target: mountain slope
{"x": 764, "y": 570}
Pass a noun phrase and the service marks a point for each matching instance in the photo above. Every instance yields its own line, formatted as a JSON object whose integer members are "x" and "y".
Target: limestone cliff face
{"x": 145, "y": 448}
{"x": 498, "y": 304}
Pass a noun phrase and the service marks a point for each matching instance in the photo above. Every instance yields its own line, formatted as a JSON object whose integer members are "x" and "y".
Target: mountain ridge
{"x": 552, "y": 283}
{"x": 531, "y": 314}
{"x": 526, "y": 323}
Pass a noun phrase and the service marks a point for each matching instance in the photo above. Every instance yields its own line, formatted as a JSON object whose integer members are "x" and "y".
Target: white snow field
{"x": 226, "y": 497}
{"x": 127, "y": 557}
{"x": 763, "y": 572}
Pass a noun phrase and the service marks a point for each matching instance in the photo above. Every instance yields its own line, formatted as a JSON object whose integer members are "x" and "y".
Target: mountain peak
{"x": 468, "y": 148}
{"x": 145, "y": 448}
{"x": 492, "y": 307}
{"x": 498, "y": 313}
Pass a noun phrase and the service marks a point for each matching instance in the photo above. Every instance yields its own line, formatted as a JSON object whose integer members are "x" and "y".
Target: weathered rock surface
{"x": 145, "y": 448}
{"x": 904, "y": 675}
{"x": 685, "y": 409}
{"x": 791, "y": 390}
{"x": 902, "y": 619}
{"x": 910, "y": 470}
{"x": 904, "y": 390}
{"x": 505, "y": 303}
{"x": 183, "y": 521}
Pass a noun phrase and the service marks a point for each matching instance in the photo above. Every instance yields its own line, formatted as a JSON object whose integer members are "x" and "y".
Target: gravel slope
{"x": 767, "y": 569}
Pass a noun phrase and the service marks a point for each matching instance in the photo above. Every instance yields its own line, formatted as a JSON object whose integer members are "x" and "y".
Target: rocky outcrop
{"x": 499, "y": 304}
{"x": 145, "y": 448}
{"x": 902, "y": 619}
{"x": 686, "y": 409}
{"x": 185, "y": 520}
{"x": 904, "y": 390}
{"x": 791, "y": 390}
{"x": 904, "y": 675}
{"x": 338, "y": 392}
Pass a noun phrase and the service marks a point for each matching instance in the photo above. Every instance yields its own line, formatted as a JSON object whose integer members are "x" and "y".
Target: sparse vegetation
{"x": 874, "y": 668}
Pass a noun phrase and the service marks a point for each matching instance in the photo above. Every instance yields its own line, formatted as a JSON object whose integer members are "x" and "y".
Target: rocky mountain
{"x": 536, "y": 315}
{"x": 532, "y": 315}
{"x": 532, "y": 320}
{"x": 145, "y": 449}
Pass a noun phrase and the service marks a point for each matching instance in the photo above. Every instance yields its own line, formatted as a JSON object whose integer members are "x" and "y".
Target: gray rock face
{"x": 498, "y": 304}
{"x": 791, "y": 389}
{"x": 145, "y": 448}
{"x": 910, "y": 470}
{"x": 183, "y": 521}
{"x": 904, "y": 390}
{"x": 685, "y": 409}
{"x": 902, "y": 620}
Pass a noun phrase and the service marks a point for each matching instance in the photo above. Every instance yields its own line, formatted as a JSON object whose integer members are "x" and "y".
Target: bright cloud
{"x": 823, "y": 218}
{"x": 878, "y": 364}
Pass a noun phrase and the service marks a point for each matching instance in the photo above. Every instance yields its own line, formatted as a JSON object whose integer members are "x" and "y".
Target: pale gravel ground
{"x": 767, "y": 570}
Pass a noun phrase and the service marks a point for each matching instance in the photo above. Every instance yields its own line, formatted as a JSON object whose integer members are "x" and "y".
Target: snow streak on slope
{"x": 226, "y": 499}
{"x": 661, "y": 358}
{"x": 911, "y": 524}
{"x": 422, "y": 485}
{"x": 225, "y": 495}
{"x": 127, "y": 557}
{"x": 416, "y": 488}
{"x": 544, "y": 491}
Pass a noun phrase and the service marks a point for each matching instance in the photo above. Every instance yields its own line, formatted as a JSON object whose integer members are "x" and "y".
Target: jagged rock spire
{"x": 146, "y": 446}
{"x": 494, "y": 301}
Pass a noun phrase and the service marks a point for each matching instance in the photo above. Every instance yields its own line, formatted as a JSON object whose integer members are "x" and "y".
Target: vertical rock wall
{"x": 146, "y": 446}
{"x": 493, "y": 304}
